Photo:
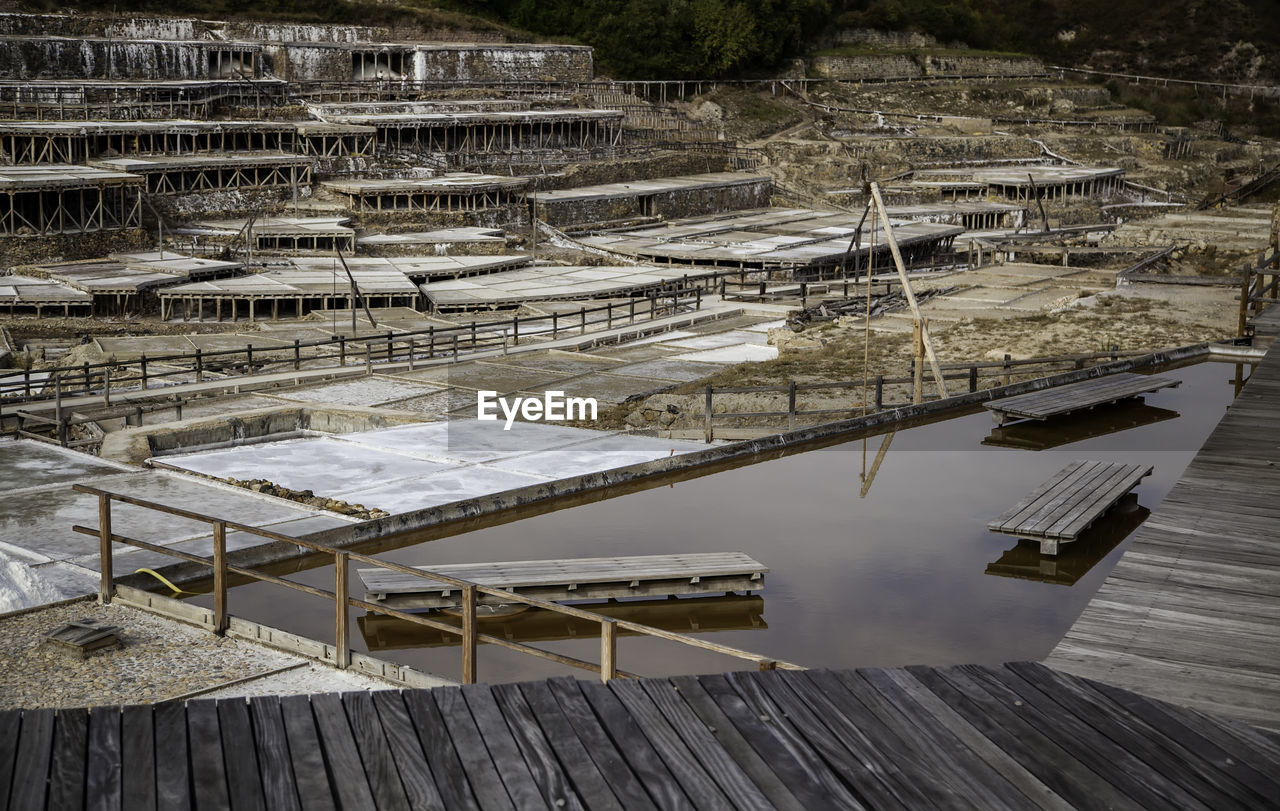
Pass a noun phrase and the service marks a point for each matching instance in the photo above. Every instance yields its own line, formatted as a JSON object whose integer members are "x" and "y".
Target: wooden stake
{"x": 907, "y": 291}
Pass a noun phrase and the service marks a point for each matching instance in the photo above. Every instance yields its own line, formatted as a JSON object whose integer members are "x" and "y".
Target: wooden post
{"x": 710, "y": 434}
{"x": 219, "y": 578}
{"x": 468, "y": 634}
{"x": 791, "y": 407}
{"x": 1005, "y": 376}
{"x": 907, "y": 291}
{"x": 199, "y": 366}
{"x": 107, "y": 587}
{"x": 411, "y": 349}
{"x": 973, "y": 378}
{"x": 608, "y": 649}
{"x": 879, "y": 392}
{"x": 297, "y": 354}
{"x": 341, "y": 644}
{"x": 917, "y": 362}
{"x": 1244, "y": 302}
{"x": 106, "y": 387}
{"x": 368, "y": 358}
{"x": 248, "y": 355}
{"x": 142, "y": 364}
{"x": 515, "y": 330}
{"x": 342, "y": 350}
{"x": 57, "y": 411}
{"x": 582, "y": 330}
{"x": 88, "y": 383}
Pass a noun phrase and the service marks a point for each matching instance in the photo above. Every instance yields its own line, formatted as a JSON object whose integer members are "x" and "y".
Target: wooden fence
{"x": 342, "y": 601}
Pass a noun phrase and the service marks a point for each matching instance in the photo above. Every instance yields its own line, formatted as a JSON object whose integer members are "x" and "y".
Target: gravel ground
{"x": 160, "y": 659}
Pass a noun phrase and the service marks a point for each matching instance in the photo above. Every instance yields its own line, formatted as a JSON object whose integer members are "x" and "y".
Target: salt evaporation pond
{"x": 898, "y": 577}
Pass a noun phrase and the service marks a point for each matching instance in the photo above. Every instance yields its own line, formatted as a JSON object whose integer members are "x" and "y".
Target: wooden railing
{"x": 1002, "y": 370}
{"x": 340, "y": 597}
{"x": 1255, "y": 290}
{"x": 26, "y": 385}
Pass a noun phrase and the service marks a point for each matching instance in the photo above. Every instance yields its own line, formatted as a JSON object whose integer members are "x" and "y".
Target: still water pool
{"x": 906, "y": 574}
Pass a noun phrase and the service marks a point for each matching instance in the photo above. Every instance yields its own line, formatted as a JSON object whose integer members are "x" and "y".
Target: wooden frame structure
{"x": 188, "y": 174}
{"x": 1025, "y": 183}
{"x": 492, "y": 130}
{"x": 57, "y": 199}
{"x": 306, "y": 290}
{"x": 451, "y": 192}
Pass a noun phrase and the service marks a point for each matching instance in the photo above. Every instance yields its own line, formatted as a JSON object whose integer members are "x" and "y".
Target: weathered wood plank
{"x": 503, "y": 749}
{"x": 441, "y": 756}
{"x": 173, "y": 769}
{"x": 102, "y": 780}
{"x": 31, "y": 762}
{"x": 138, "y": 744}
{"x": 402, "y": 741}
{"x": 1073, "y": 397}
{"x": 481, "y": 771}
{"x": 1069, "y": 501}
{"x": 70, "y": 750}
{"x": 342, "y": 761}
{"x": 244, "y": 786}
{"x": 550, "y": 776}
{"x": 306, "y": 757}
{"x": 375, "y": 754}
{"x": 271, "y": 743}
{"x": 204, "y": 741}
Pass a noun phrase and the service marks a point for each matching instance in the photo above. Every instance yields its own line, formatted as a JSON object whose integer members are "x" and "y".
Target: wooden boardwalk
{"x": 1069, "y": 502}
{"x": 1016, "y": 736}
{"x": 1267, "y": 323}
{"x": 1191, "y": 612}
{"x": 1052, "y": 402}
{"x": 572, "y": 578}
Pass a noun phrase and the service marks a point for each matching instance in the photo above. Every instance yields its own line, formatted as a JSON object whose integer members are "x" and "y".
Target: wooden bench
{"x": 571, "y": 579}
{"x": 1063, "y": 507}
{"x": 1041, "y": 405}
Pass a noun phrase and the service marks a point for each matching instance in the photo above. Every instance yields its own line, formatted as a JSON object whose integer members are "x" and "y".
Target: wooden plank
{"x": 639, "y": 753}
{"x": 758, "y": 723}
{"x": 306, "y": 756}
{"x": 1037, "y": 497}
{"x": 955, "y": 774}
{"x": 1029, "y": 746}
{"x": 138, "y": 745}
{"x": 613, "y": 764}
{"x": 589, "y": 782}
{"x": 551, "y": 776}
{"x": 410, "y": 761}
{"x": 1090, "y": 474}
{"x": 10, "y": 729}
{"x": 1115, "y": 762}
{"x": 70, "y": 751}
{"x": 31, "y": 761}
{"x": 371, "y": 745}
{"x": 342, "y": 761}
{"x": 208, "y": 772}
{"x": 173, "y": 769}
{"x": 515, "y": 772}
{"x": 482, "y": 773}
{"x": 1070, "y": 501}
{"x": 698, "y": 782}
{"x": 272, "y": 746}
{"x": 1076, "y": 396}
{"x": 102, "y": 778}
{"x": 244, "y": 786}
{"x": 1158, "y": 752}
{"x": 439, "y": 751}
{"x": 714, "y": 757}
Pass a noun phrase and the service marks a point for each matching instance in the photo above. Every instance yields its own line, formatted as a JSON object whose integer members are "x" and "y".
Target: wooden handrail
{"x": 607, "y": 668}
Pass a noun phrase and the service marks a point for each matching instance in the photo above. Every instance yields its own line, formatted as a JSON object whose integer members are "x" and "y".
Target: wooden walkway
{"x": 1267, "y": 323}
{"x": 572, "y": 579}
{"x": 1041, "y": 405}
{"x": 1191, "y": 612}
{"x": 1016, "y": 736}
{"x": 1069, "y": 502}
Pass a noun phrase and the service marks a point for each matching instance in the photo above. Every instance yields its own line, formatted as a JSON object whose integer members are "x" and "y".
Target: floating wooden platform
{"x": 1041, "y": 405}
{"x": 572, "y": 579}
{"x": 1016, "y": 736}
{"x": 1065, "y": 505}
{"x": 1190, "y": 613}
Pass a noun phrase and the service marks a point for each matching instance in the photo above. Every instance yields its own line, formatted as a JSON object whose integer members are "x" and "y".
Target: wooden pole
{"x": 709, "y": 432}
{"x": 219, "y": 578}
{"x": 468, "y": 634}
{"x": 917, "y": 364}
{"x": 341, "y": 643}
{"x": 608, "y": 650}
{"x": 907, "y": 291}
{"x": 107, "y": 587}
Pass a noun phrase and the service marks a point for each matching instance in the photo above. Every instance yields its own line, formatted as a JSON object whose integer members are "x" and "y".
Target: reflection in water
{"x": 1075, "y": 559}
{"x": 732, "y": 612}
{"x": 1039, "y": 436}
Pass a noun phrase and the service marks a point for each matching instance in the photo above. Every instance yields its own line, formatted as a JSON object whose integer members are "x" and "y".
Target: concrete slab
{"x": 363, "y": 392}
{"x": 609, "y": 387}
{"x": 442, "y": 488}
{"x": 718, "y": 339}
{"x": 468, "y": 440}
{"x": 739, "y": 353}
{"x": 323, "y": 465}
{"x": 605, "y": 453}
{"x": 27, "y": 463}
{"x": 680, "y": 371}
{"x": 150, "y": 345}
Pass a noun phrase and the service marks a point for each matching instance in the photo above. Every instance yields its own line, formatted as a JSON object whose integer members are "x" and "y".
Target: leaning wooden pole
{"x": 907, "y": 291}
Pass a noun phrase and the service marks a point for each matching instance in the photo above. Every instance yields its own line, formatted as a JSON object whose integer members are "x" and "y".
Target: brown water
{"x": 898, "y": 577}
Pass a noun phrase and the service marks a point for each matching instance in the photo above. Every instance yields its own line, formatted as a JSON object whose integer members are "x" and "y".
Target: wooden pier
{"x": 1042, "y": 405}
{"x": 1015, "y": 736}
{"x": 572, "y": 579}
{"x": 1068, "y": 503}
{"x": 1189, "y": 614}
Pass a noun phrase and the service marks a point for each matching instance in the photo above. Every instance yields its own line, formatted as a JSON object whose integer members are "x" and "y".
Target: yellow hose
{"x": 164, "y": 580}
